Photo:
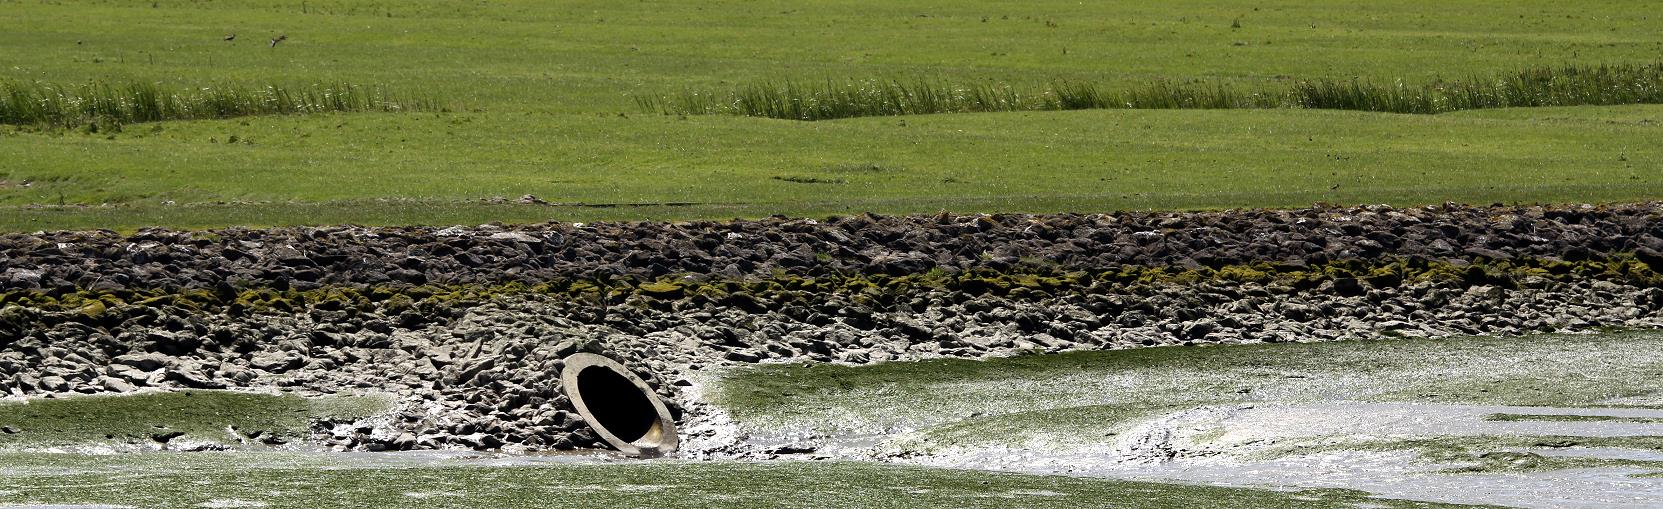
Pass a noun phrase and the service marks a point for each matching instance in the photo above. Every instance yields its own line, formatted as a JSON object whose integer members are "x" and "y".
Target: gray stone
{"x": 53, "y": 383}
{"x": 148, "y": 361}
{"x": 117, "y": 385}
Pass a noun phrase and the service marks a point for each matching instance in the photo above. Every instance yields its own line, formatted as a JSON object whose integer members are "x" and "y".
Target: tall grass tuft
{"x": 841, "y": 99}
{"x": 40, "y": 103}
{"x": 1564, "y": 86}
{"x": 796, "y": 100}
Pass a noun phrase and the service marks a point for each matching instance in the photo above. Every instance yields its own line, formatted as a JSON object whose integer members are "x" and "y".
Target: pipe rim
{"x": 661, "y": 438}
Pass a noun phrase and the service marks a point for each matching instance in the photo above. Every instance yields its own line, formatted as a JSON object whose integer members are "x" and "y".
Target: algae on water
{"x": 155, "y": 418}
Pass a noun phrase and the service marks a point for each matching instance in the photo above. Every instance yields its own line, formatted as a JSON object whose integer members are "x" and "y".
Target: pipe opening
{"x": 619, "y": 406}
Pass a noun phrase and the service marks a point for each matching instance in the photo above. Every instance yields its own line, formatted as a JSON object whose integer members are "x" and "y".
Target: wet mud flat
{"x": 1536, "y": 421}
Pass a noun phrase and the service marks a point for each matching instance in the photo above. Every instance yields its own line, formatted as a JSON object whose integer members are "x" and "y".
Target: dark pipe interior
{"x": 616, "y": 403}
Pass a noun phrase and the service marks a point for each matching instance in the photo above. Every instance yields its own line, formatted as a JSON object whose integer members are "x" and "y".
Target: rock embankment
{"x": 307, "y": 258}
{"x": 468, "y": 326}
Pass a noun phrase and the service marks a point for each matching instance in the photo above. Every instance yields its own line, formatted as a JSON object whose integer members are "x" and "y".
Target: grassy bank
{"x": 444, "y": 168}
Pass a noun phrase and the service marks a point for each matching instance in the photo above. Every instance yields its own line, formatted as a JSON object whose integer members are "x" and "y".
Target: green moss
{"x": 93, "y": 309}
{"x": 1255, "y": 273}
{"x": 661, "y": 289}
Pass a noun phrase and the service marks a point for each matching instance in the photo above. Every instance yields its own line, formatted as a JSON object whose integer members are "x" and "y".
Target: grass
{"x": 592, "y": 56}
{"x": 444, "y": 168}
{"x": 202, "y": 416}
{"x": 793, "y": 100}
{"x": 1571, "y": 85}
{"x": 1565, "y": 86}
{"x": 113, "y": 104}
{"x": 545, "y": 85}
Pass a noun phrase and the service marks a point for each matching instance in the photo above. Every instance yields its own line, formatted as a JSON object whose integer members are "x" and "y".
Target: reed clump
{"x": 1546, "y": 86}
{"x": 67, "y": 105}
{"x": 842, "y": 99}
{"x": 830, "y": 99}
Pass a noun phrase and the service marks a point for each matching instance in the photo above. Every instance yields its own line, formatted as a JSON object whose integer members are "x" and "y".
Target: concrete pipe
{"x": 621, "y": 408}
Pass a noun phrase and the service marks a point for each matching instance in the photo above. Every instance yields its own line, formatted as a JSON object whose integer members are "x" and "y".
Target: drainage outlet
{"x": 619, "y": 406}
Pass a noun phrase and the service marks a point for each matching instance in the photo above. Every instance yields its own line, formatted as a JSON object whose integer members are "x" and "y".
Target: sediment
{"x": 468, "y": 325}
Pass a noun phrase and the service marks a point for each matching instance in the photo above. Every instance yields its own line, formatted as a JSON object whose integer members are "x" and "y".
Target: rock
{"x": 149, "y": 361}
{"x": 274, "y": 362}
{"x": 129, "y": 373}
{"x": 1394, "y": 325}
{"x": 515, "y": 237}
{"x": 742, "y": 355}
{"x": 474, "y": 369}
{"x": 1199, "y": 329}
{"x": 117, "y": 385}
{"x": 1349, "y": 287}
{"x": 192, "y": 380}
{"x": 52, "y": 383}
{"x": 404, "y": 442}
{"x": 791, "y": 449}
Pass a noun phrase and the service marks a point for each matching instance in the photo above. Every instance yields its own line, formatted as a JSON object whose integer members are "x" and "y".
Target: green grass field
{"x": 542, "y": 101}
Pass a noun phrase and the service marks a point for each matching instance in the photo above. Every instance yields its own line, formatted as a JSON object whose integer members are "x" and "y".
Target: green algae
{"x": 1509, "y": 417}
{"x": 283, "y": 480}
{"x": 1541, "y": 370}
{"x": 150, "y": 418}
{"x": 1506, "y": 453}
